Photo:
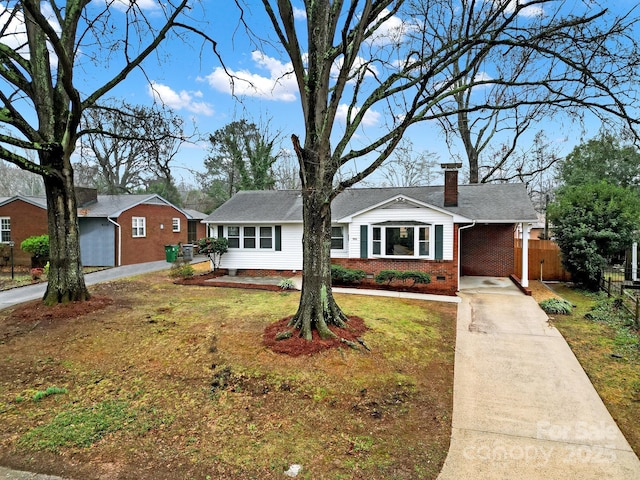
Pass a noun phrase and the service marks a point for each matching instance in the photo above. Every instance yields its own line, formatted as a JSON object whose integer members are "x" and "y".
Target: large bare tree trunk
{"x": 65, "y": 278}
{"x": 317, "y": 309}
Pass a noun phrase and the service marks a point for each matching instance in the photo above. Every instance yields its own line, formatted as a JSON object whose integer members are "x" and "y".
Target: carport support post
{"x": 526, "y": 229}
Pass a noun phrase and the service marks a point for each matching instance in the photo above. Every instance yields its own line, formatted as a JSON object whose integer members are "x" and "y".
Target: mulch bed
{"x": 296, "y": 345}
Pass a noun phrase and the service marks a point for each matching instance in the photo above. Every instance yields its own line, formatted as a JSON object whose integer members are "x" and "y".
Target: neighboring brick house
{"x": 114, "y": 229}
{"x": 195, "y": 229}
{"x": 447, "y": 231}
{"x": 21, "y": 217}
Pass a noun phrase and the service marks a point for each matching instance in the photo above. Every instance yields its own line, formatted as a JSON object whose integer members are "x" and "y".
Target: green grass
{"x": 609, "y": 352}
{"x": 39, "y": 395}
{"x": 80, "y": 427}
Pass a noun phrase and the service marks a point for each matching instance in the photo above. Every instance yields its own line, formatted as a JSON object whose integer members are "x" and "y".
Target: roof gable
{"x": 40, "y": 202}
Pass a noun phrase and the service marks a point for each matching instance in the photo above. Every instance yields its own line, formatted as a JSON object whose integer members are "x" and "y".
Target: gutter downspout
{"x": 460, "y": 243}
{"x": 119, "y": 262}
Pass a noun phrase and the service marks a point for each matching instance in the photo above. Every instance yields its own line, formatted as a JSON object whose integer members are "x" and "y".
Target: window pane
{"x": 266, "y": 237}
{"x": 424, "y": 241}
{"x": 6, "y": 236}
{"x": 233, "y": 231}
{"x": 377, "y": 241}
{"x": 249, "y": 242}
{"x": 234, "y": 242}
{"x": 249, "y": 231}
{"x": 337, "y": 238}
{"x": 399, "y": 240}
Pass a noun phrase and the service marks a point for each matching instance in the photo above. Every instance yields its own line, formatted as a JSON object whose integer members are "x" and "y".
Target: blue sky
{"x": 187, "y": 77}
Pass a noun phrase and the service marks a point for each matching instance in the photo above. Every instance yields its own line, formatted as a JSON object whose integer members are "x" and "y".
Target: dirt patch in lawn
{"x": 162, "y": 381}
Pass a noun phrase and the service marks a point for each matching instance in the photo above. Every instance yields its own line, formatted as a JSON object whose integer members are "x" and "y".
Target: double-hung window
{"x": 402, "y": 240}
{"x": 5, "y": 229}
{"x": 337, "y": 238}
{"x": 176, "y": 224}
{"x": 139, "y": 227}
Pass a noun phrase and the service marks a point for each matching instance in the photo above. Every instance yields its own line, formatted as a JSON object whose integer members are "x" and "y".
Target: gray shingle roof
{"x": 111, "y": 205}
{"x": 480, "y": 202}
{"x": 194, "y": 214}
{"x": 37, "y": 201}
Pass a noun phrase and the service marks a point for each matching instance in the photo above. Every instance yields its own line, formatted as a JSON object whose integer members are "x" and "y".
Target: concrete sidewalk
{"x": 523, "y": 407}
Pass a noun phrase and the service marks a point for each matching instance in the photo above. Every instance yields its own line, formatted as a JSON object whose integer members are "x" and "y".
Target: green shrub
{"x": 286, "y": 284}
{"x": 37, "y": 246}
{"x": 346, "y": 276}
{"x": 417, "y": 277}
{"x": 386, "y": 276}
{"x": 213, "y": 248}
{"x": 181, "y": 270}
{"x": 556, "y": 306}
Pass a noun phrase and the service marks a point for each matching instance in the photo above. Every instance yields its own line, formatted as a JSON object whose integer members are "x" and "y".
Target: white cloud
{"x": 280, "y": 83}
{"x": 299, "y": 13}
{"x": 392, "y": 30}
{"x": 533, "y": 11}
{"x": 371, "y": 117}
{"x": 123, "y": 5}
{"x": 358, "y": 64}
{"x": 182, "y": 100}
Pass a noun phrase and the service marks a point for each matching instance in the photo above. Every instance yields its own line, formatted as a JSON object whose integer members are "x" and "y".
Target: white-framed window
{"x": 5, "y": 229}
{"x": 398, "y": 240}
{"x": 337, "y": 238}
{"x": 250, "y": 237}
{"x": 138, "y": 227}
{"x": 266, "y": 238}
{"x": 175, "y": 223}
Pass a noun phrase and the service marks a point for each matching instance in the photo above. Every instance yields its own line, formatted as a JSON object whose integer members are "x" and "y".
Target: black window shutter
{"x": 220, "y": 231}
{"x": 278, "y": 235}
{"x": 364, "y": 241}
{"x": 439, "y": 236}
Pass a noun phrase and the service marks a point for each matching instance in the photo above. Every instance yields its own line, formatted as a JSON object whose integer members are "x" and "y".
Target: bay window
{"x": 406, "y": 239}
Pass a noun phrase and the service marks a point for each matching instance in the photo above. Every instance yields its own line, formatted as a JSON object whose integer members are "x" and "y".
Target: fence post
{"x": 609, "y": 287}
{"x": 637, "y": 323}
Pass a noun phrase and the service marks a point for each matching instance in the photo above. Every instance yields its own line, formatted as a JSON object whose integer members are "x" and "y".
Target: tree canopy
{"x": 602, "y": 158}
{"x": 241, "y": 158}
{"x": 592, "y": 222}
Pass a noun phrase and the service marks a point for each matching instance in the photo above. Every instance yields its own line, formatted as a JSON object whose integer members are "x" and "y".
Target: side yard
{"x": 607, "y": 346}
{"x": 165, "y": 381}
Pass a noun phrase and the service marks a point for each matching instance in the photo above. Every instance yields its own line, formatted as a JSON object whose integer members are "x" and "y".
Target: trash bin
{"x": 187, "y": 252}
{"x": 171, "y": 253}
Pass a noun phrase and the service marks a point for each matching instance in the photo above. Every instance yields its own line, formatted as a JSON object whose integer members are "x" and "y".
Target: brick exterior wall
{"x": 27, "y": 220}
{"x": 488, "y": 250}
{"x": 151, "y": 247}
{"x": 444, "y": 273}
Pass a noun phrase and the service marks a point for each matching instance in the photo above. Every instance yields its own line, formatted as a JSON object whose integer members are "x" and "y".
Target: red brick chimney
{"x": 451, "y": 183}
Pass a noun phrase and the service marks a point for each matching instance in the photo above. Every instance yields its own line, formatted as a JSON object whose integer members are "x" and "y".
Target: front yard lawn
{"x": 610, "y": 354}
{"x": 163, "y": 381}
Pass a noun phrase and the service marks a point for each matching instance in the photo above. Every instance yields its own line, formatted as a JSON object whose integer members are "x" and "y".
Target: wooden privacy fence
{"x": 545, "y": 262}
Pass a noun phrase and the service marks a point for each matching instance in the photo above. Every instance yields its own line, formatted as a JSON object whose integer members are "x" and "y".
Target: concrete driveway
{"x": 523, "y": 406}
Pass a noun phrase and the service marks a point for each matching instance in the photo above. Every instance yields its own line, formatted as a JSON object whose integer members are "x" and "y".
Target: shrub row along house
{"x": 446, "y": 231}
{"x": 114, "y": 229}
